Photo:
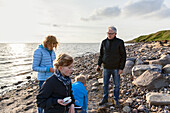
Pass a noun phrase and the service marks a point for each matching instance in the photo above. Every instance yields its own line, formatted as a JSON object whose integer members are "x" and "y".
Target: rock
{"x": 90, "y": 77}
{"x": 129, "y": 101}
{"x": 2, "y": 87}
{"x": 19, "y": 82}
{"x": 166, "y": 69}
{"x": 154, "y": 98}
{"x": 28, "y": 77}
{"x": 126, "y": 109}
{"x": 128, "y": 67}
{"x": 165, "y": 59}
{"x": 151, "y": 80}
{"x": 133, "y": 59}
{"x": 139, "y": 69}
{"x": 95, "y": 84}
{"x": 141, "y": 108}
{"x": 94, "y": 88}
{"x": 134, "y": 111}
{"x": 100, "y": 81}
{"x": 139, "y": 61}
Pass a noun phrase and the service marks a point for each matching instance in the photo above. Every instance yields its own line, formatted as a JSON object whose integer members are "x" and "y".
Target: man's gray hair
{"x": 113, "y": 28}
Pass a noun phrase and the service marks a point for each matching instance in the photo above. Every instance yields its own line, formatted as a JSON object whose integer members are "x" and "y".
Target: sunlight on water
{"x": 17, "y": 49}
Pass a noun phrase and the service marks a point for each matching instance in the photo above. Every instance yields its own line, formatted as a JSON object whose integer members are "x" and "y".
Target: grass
{"x": 158, "y": 36}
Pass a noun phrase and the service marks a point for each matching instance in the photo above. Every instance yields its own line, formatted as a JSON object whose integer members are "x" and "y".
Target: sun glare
{"x": 16, "y": 49}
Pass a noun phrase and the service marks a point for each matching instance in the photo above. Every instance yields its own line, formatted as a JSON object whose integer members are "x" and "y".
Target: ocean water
{"x": 16, "y": 61}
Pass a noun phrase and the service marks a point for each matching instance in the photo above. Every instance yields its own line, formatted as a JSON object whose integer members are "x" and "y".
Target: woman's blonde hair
{"x": 80, "y": 78}
{"x": 51, "y": 41}
{"x": 63, "y": 60}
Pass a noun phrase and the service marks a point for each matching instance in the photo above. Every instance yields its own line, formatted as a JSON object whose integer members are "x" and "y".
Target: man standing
{"x": 113, "y": 57}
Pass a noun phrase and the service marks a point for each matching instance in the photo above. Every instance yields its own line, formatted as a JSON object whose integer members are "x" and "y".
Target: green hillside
{"x": 158, "y": 36}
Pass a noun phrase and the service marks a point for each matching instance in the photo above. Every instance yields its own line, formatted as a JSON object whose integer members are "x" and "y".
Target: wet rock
{"x": 2, "y": 87}
{"x": 19, "y": 82}
{"x": 28, "y": 77}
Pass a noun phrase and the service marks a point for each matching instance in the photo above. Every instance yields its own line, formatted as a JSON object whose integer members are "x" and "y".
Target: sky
{"x": 80, "y": 21}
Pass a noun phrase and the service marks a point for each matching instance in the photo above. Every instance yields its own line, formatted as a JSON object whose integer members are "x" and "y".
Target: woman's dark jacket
{"x": 51, "y": 90}
{"x": 112, "y": 54}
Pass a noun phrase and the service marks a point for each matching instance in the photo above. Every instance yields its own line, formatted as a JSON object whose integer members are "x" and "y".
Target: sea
{"x": 16, "y": 61}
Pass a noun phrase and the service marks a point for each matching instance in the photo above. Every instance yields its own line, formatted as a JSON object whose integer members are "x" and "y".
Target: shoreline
{"x": 23, "y": 99}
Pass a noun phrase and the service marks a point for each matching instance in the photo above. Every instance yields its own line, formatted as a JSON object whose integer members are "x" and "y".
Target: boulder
{"x": 139, "y": 69}
{"x": 154, "y": 98}
{"x": 151, "y": 80}
{"x": 165, "y": 59}
{"x": 128, "y": 67}
{"x": 133, "y": 59}
{"x": 139, "y": 61}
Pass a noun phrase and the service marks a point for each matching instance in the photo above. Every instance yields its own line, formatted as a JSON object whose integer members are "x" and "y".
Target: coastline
{"x": 23, "y": 99}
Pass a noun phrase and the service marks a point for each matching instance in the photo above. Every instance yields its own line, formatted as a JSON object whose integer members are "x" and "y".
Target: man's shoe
{"x": 103, "y": 102}
{"x": 116, "y": 102}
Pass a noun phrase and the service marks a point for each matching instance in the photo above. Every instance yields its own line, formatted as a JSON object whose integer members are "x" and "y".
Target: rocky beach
{"x": 145, "y": 83}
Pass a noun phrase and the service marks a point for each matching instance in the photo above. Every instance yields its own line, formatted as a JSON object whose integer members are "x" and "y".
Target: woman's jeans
{"x": 40, "y": 110}
{"x": 116, "y": 79}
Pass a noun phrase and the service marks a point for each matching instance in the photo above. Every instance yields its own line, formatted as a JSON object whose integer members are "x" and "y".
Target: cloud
{"x": 99, "y": 14}
{"x": 164, "y": 13}
{"x": 139, "y": 8}
{"x": 143, "y": 7}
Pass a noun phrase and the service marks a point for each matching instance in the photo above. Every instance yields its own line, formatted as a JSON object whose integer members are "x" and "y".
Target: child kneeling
{"x": 80, "y": 93}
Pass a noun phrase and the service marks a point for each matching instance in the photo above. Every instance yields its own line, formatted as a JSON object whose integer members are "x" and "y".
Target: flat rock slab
{"x": 154, "y": 98}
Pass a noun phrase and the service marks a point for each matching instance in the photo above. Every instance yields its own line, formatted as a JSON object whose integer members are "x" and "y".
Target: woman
{"x": 80, "y": 93}
{"x": 57, "y": 87}
{"x": 43, "y": 60}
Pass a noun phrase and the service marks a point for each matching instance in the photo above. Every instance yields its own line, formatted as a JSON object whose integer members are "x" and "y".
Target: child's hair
{"x": 63, "y": 60}
{"x": 50, "y": 40}
{"x": 80, "y": 78}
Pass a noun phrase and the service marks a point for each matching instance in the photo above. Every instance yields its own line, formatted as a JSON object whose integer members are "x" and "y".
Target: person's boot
{"x": 103, "y": 101}
{"x": 116, "y": 103}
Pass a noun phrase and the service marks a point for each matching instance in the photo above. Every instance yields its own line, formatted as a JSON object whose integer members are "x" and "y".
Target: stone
{"x": 154, "y": 98}
{"x": 151, "y": 80}
{"x": 165, "y": 59}
{"x": 134, "y": 111}
{"x": 137, "y": 70}
{"x": 94, "y": 88}
{"x": 139, "y": 61}
{"x": 128, "y": 67}
{"x": 100, "y": 81}
{"x": 126, "y": 109}
{"x": 129, "y": 101}
{"x": 166, "y": 69}
{"x": 95, "y": 84}
{"x": 141, "y": 108}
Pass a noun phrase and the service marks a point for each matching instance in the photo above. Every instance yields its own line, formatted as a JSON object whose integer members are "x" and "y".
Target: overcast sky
{"x": 80, "y": 21}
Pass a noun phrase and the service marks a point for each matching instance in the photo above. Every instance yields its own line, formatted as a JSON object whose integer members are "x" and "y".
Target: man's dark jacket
{"x": 52, "y": 90}
{"x": 112, "y": 54}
